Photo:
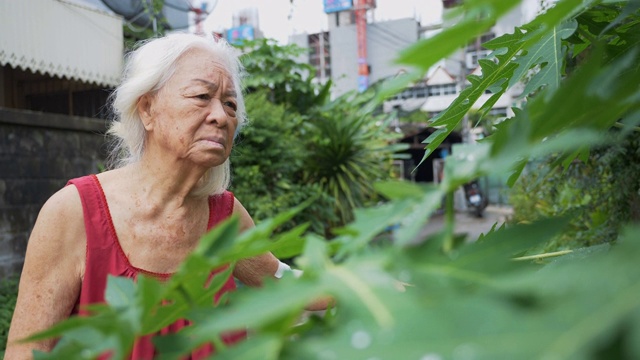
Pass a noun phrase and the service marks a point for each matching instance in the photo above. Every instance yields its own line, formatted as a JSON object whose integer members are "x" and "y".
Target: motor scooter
{"x": 476, "y": 201}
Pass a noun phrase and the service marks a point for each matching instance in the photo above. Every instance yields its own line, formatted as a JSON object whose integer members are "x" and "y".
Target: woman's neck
{"x": 167, "y": 181}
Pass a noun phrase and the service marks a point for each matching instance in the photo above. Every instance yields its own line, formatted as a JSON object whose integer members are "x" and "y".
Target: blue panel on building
{"x": 331, "y": 6}
{"x": 237, "y": 34}
{"x": 363, "y": 82}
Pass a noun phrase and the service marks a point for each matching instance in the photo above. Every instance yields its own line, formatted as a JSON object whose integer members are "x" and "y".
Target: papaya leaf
{"x": 401, "y": 189}
{"x": 479, "y": 17}
{"x": 260, "y": 347}
{"x": 548, "y": 53}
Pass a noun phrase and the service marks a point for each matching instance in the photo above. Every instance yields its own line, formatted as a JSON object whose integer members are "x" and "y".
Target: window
{"x": 434, "y": 90}
{"x": 473, "y": 57}
{"x": 319, "y": 54}
{"x": 499, "y": 112}
{"x": 448, "y": 89}
{"x": 476, "y": 44}
{"x": 444, "y": 89}
{"x": 421, "y": 92}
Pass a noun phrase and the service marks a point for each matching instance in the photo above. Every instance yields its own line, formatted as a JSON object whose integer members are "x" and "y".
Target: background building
{"x": 339, "y": 45}
{"x": 335, "y": 55}
{"x": 246, "y": 26}
{"x": 445, "y": 81}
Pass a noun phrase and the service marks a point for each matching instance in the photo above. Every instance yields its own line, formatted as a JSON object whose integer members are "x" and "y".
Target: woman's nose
{"x": 217, "y": 113}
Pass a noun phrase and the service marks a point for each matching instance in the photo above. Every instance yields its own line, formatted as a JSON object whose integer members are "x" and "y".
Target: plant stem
{"x": 449, "y": 222}
{"x": 620, "y": 125}
{"x": 587, "y": 35}
{"x": 543, "y": 256}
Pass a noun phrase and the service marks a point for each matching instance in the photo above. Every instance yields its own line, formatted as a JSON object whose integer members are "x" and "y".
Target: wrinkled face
{"x": 193, "y": 116}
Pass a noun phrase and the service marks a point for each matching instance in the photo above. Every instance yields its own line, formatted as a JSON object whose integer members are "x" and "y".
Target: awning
{"x": 63, "y": 39}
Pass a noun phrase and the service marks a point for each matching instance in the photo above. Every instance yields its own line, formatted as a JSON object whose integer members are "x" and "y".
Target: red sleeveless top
{"x": 104, "y": 256}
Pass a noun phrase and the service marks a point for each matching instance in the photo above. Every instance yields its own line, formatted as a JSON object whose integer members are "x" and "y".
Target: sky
{"x": 280, "y": 18}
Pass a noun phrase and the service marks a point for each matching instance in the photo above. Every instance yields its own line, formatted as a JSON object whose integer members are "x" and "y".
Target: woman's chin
{"x": 209, "y": 162}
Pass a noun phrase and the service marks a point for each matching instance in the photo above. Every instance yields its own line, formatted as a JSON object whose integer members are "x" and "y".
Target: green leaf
{"x": 262, "y": 347}
{"x": 478, "y": 19}
{"x": 547, "y": 53}
{"x": 120, "y": 292}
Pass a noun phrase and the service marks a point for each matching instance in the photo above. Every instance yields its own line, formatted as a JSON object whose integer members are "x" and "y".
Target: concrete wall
{"x": 39, "y": 152}
{"x": 384, "y": 42}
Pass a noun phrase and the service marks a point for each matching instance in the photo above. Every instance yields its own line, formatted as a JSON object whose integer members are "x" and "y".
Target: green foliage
{"x": 403, "y": 301}
{"x": 132, "y": 34}
{"x": 274, "y": 68}
{"x": 413, "y": 117}
{"x": 307, "y": 147}
{"x": 350, "y": 151}
{"x": 440, "y": 297}
{"x": 268, "y": 160}
{"x": 8, "y": 295}
{"x": 601, "y": 194}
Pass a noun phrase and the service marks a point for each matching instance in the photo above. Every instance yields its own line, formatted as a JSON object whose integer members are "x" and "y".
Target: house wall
{"x": 39, "y": 152}
{"x": 384, "y": 42}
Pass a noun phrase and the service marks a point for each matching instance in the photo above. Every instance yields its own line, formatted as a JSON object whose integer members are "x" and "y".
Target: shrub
{"x": 267, "y": 164}
{"x": 600, "y": 194}
{"x": 8, "y": 295}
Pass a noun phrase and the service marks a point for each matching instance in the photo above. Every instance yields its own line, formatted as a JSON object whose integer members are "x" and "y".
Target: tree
{"x": 309, "y": 147}
{"x": 274, "y": 68}
{"x": 268, "y": 162}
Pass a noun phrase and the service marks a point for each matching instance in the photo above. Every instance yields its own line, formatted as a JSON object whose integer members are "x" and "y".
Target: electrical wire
{"x": 390, "y": 34}
{"x": 384, "y": 42}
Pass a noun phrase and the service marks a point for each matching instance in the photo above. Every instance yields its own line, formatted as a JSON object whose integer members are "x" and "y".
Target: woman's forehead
{"x": 203, "y": 62}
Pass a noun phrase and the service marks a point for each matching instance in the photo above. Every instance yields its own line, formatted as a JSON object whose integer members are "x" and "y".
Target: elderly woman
{"x": 178, "y": 109}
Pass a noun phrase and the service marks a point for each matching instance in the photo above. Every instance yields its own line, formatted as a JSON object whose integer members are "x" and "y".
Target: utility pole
{"x": 361, "y": 34}
{"x": 322, "y": 62}
{"x": 463, "y": 85}
{"x": 199, "y": 16}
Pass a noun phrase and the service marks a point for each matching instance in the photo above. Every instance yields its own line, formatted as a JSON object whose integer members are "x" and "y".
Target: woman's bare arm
{"x": 251, "y": 271}
{"x": 52, "y": 272}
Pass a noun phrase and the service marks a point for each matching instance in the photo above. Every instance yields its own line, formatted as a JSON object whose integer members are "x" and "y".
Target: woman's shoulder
{"x": 65, "y": 205}
{"x": 59, "y": 228}
{"x": 246, "y": 222}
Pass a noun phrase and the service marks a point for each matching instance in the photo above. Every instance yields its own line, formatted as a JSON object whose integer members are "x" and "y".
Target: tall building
{"x": 339, "y": 47}
{"x": 335, "y": 56}
{"x": 245, "y": 26}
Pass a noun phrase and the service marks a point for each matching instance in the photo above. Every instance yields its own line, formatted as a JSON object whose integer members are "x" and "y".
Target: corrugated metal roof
{"x": 62, "y": 39}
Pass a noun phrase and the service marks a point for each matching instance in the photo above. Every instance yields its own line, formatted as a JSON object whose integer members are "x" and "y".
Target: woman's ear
{"x": 144, "y": 111}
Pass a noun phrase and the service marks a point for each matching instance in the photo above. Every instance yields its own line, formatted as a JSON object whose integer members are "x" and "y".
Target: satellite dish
{"x": 134, "y": 11}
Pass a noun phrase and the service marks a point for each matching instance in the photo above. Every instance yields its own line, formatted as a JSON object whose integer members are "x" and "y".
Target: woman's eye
{"x": 231, "y": 104}
{"x": 202, "y": 96}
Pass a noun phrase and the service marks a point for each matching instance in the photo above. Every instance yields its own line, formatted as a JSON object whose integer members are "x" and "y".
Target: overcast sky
{"x": 279, "y": 18}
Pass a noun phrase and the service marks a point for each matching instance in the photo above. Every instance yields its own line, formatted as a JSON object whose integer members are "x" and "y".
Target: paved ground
{"x": 467, "y": 223}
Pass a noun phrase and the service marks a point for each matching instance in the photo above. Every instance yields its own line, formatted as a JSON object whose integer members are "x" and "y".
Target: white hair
{"x": 147, "y": 70}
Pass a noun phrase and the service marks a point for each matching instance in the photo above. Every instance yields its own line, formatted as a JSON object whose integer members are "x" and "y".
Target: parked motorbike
{"x": 476, "y": 200}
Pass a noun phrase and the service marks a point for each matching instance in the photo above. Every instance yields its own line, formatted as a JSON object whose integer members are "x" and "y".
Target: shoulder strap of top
{"x": 220, "y": 208}
{"x": 97, "y": 221}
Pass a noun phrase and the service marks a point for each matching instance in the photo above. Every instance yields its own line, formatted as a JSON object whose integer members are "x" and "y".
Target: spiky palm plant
{"x": 349, "y": 151}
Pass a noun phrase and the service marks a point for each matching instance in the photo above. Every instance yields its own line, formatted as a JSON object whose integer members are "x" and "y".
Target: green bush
{"x": 273, "y": 68}
{"x": 600, "y": 194}
{"x": 267, "y": 164}
{"x": 333, "y": 155}
{"x": 349, "y": 150}
{"x": 8, "y": 295}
